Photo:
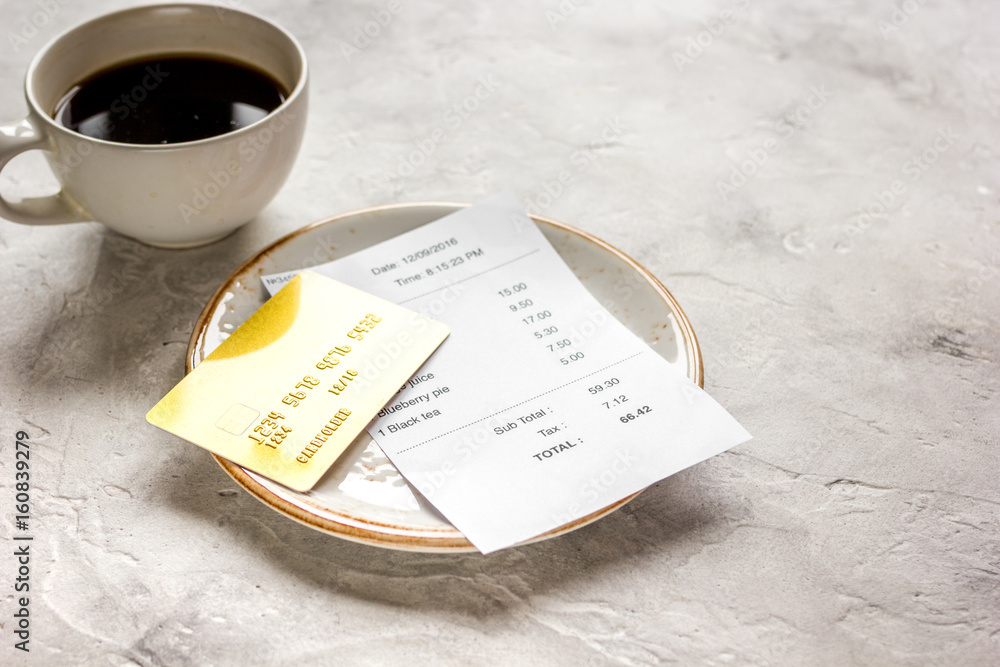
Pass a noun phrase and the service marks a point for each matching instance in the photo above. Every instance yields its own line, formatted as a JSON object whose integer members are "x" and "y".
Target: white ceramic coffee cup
{"x": 169, "y": 195}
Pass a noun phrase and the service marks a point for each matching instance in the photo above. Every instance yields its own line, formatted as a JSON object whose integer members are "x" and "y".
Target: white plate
{"x": 363, "y": 498}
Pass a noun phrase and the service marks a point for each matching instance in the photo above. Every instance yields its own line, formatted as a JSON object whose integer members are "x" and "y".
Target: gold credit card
{"x": 293, "y": 386}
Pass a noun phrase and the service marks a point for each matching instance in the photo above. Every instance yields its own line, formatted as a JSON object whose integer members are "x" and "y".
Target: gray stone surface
{"x": 858, "y": 527}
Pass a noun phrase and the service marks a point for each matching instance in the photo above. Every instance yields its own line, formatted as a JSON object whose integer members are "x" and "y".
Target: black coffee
{"x": 168, "y": 100}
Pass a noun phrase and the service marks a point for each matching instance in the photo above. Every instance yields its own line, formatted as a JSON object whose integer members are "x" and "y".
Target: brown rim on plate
{"x": 388, "y": 535}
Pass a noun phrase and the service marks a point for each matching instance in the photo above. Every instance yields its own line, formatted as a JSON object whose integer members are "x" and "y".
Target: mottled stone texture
{"x": 859, "y": 526}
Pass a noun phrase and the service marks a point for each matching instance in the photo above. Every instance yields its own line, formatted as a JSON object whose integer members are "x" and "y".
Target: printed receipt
{"x": 541, "y": 407}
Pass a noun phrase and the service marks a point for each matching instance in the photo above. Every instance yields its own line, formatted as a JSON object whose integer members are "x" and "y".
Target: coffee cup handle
{"x": 56, "y": 209}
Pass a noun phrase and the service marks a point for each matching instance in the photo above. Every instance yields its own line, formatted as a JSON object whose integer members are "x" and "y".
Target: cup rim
{"x": 51, "y": 124}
